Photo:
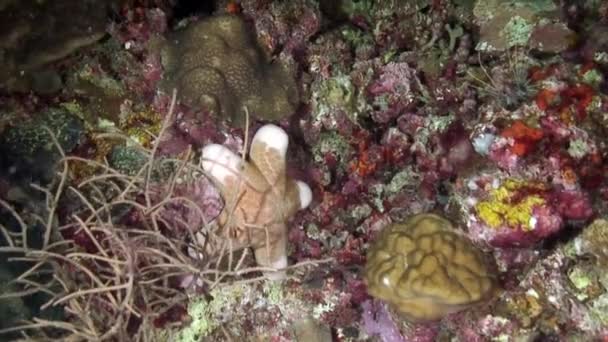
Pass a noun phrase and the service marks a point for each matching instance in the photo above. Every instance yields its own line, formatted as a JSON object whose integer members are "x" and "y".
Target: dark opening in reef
{"x": 571, "y": 231}
{"x": 186, "y": 8}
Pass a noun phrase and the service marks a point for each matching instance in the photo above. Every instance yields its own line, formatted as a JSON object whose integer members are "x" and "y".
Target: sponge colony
{"x": 426, "y": 270}
{"x": 216, "y": 63}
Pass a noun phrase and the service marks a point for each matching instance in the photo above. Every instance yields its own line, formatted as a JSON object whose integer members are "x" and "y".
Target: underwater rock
{"x": 217, "y": 64}
{"x": 426, "y": 270}
{"x": 595, "y": 47}
{"x": 521, "y": 213}
{"x": 336, "y": 97}
{"x": 594, "y": 241}
{"x": 506, "y": 24}
{"x": 307, "y": 329}
{"x": 284, "y": 26}
{"x": 36, "y": 33}
{"x": 552, "y": 37}
{"x": 28, "y": 149}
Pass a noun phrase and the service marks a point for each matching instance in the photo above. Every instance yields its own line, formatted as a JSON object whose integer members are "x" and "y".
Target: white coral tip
{"x": 220, "y": 162}
{"x": 305, "y": 194}
{"x": 273, "y": 136}
{"x": 279, "y": 265}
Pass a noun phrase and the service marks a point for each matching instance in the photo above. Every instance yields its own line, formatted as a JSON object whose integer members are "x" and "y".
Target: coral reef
{"x": 131, "y": 217}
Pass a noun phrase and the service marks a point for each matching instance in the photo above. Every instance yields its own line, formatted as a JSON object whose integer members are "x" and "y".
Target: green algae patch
{"x": 517, "y": 31}
{"x": 202, "y": 322}
{"x": 208, "y": 314}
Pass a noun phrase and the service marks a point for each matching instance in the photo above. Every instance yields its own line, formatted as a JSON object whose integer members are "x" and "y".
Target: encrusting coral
{"x": 426, "y": 270}
{"x": 259, "y": 196}
{"x": 217, "y": 64}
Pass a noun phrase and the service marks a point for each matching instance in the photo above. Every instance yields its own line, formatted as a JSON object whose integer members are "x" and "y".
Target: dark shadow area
{"x": 186, "y": 8}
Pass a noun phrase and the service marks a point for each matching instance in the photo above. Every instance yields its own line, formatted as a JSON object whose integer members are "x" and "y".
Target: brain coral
{"x": 216, "y": 63}
{"x": 426, "y": 270}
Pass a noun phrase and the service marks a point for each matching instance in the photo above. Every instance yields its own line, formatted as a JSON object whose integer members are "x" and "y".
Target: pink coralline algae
{"x": 548, "y": 224}
{"x": 152, "y": 73}
{"x": 392, "y": 91}
{"x": 139, "y": 26}
{"x": 481, "y": 328}
{"x": 377, "y": 321}
{"x": 196, "y": 205}
{"x": 572, "y": 205}
{"x": 135, "y": 34}
{"x": 285, "y": 27}
{"x": 456, "y": 147}
{"x": 189, "y": 127}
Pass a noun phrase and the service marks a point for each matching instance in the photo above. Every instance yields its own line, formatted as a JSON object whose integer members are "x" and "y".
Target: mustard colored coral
{"x": 425, "y": 269}
{"x": 142, "y": 126}
{"x": 511, "y": 204}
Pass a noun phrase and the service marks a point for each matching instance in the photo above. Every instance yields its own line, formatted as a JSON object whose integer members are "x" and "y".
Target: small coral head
{"x": 426, "y": 270}
{"x": 217, "y": 64}
{"x": 259, "y": 197}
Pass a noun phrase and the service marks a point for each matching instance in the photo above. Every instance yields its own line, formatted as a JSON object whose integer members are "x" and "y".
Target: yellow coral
{"x": 503, "y": 206}
{"x": 141, "y": 126}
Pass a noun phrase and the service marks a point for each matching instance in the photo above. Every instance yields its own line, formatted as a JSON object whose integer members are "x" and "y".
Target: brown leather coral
{"x": 259, "y": 196}
{"x": 425, "y": 269}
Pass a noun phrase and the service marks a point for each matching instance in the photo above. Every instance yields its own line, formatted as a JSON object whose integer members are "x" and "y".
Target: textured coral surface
{"x": 426, "y": 270}
{"x": 218, "y": 64}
